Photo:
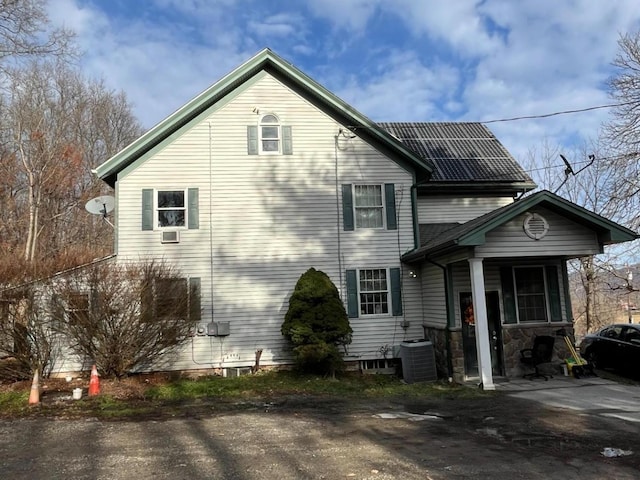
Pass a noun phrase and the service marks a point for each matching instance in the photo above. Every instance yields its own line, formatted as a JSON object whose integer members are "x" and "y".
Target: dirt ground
{"x": 304, "y": 437}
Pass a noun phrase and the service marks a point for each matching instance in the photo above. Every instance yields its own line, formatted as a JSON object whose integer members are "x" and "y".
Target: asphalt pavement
{"x": 588, "y": 395}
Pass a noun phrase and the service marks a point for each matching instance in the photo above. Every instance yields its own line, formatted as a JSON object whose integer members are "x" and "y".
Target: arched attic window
{"x": 269, "y": 137}
{"x": 269, "y": 134}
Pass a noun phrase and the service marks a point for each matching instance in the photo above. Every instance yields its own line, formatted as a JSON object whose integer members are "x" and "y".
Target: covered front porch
{"x": 491, "y": 285}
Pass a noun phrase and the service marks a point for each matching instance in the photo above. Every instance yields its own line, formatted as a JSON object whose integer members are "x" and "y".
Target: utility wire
{"x": 600, "y": 159}
{"x": 553, "y": 114}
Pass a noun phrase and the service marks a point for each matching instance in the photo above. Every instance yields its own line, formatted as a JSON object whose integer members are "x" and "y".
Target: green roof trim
{"x": 269, "y": 61}
{"x": 473, "y": 233}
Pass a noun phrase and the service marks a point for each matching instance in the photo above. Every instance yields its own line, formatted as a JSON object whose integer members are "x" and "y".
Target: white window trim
{"x": 355, "y": 207}
{"x": 278, "y": 126}
{"x": 388, "y": 291}
{"x": 156, "y": 225}
{"x": 547, "y": 307}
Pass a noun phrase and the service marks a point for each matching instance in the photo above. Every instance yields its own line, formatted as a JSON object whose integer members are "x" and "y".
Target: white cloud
{"x": 459, "y": 23}
{"x": 351, "y": 15}
{"x": 414, "y": 60}
{"x": 280, "y": 25}
{"x": 402, "y": 90}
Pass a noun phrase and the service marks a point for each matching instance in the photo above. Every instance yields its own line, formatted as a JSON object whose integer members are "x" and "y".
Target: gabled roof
{"x": 473, "y": 232}
{"x": 268, "y": 61}
{"x": 462, "y": 154}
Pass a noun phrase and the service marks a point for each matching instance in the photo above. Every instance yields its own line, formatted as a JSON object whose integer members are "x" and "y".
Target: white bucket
{"x": 77, "y": 393}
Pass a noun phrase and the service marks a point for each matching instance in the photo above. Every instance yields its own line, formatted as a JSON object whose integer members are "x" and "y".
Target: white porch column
{"x": 483, "y": 346}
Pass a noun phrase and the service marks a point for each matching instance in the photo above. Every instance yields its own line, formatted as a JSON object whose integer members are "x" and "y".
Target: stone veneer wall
{"x": 517, "y": 337}
{"x": 438, "y": 336}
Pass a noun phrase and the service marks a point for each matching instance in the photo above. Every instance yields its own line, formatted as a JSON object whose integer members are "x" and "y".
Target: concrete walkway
{"x": 591, "y": 395}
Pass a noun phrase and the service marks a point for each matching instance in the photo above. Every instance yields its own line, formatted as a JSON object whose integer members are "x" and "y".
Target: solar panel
{"x": 459, "y": 151}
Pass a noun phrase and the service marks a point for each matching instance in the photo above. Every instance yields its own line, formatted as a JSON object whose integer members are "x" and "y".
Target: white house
{"x": 266, "y": 174}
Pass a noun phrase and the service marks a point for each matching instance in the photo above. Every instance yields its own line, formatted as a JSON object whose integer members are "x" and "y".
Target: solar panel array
{"x": 459, "y": 151}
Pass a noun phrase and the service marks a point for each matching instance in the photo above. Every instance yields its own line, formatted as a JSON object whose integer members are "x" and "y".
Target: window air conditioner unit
{"x": 171, "y": 237}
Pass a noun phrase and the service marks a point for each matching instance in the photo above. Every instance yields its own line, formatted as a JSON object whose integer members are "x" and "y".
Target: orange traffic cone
{"x": 94, "y": 383}
{"x": 34, "y": 396}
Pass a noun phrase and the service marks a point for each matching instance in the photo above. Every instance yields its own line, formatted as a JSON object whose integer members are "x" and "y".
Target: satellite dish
{"x": 101, "y": 205}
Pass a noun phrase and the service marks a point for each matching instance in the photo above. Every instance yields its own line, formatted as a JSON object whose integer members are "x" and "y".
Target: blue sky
{"x": 394, "y": 60}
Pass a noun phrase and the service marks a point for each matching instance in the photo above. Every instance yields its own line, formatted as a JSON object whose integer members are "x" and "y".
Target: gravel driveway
{"x": 299, "y": 438}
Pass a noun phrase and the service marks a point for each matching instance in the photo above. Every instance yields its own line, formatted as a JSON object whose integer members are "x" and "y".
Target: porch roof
{"x": 445, "y": 238}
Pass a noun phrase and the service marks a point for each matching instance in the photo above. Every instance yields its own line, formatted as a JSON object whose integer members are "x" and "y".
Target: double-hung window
{"x": 369, "y": 209}
{"x": 374, "y": 292}
{"x": 78, "y": 308}
{"x": 369, "y": 206}
{"x": 531, "y": 294}
{"x": 171, "y": 208}
{"x": 171, "y": 298}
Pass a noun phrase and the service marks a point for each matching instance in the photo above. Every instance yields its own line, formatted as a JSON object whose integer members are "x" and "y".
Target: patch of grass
{"x": 350, "y": 385}
{"x": 106, "y": 406}
{"x": 13, "y": 403}
{"x": 175, "y": 397}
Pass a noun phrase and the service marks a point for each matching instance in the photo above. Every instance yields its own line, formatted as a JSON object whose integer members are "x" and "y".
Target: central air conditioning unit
{"x": 170, "y": 237}
{"x": 418, "y": 361}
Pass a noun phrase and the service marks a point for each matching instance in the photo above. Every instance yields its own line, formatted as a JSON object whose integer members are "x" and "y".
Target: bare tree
{"x": 623, "y": 131}
{"x": 56, "y": 127}
{"x": 587, "y": 176}
{"x": 125, "y": 317}
{"x": 25, "y": 31}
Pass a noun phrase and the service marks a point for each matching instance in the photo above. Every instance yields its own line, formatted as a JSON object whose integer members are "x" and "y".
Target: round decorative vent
{"x": 535, "y": 226}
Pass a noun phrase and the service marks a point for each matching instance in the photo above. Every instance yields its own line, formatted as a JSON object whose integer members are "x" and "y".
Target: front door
{"x": 469, "y": 333}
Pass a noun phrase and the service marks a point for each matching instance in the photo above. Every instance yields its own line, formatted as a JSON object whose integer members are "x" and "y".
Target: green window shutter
{"x": 390, "y": 206}
{"x": 147, "y": 209}
{"x": 553, "y": 287}
{"x": 193, "y": 203}
{"x": 347, "y": 207}
{"x": 252, "y": 139}
{"x": 508, "y": 295}
{"x": 287, "y": 141}
{"x": 195, "y": 309}
{"x": 352, "y": 294}
{"x": 396, "y": 292}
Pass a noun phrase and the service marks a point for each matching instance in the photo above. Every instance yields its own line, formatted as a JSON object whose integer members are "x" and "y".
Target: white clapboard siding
{"x": 433, "y": 296}
{"x": 563, "y": 238}
{"x": 264, "y": 220}
{"x": 452, "y": 209}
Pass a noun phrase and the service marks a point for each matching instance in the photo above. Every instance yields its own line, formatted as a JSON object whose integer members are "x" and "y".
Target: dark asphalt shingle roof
{"x": 432, "y": 231}
{"x": 460, "y": 152}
